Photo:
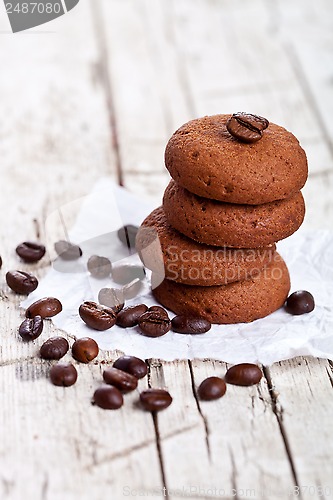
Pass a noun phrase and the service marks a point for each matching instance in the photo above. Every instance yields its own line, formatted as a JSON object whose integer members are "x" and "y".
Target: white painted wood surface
{"x": 100, "y": 94}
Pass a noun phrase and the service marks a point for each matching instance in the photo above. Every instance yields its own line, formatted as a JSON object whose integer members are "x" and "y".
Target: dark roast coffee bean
{"x": 0, "y": 262}
{"x": 112, "y": 297}
{"x": 131, "y": 364}
{"x": 130, "y": 315}
{"x": 67, "y": 250}
{"x": 63, "y": 374}
{"x": 212, "y": 388}
{"x": 31, "y": 328}
{"x": 155, "y": 399}
{"x": 132, "y": 289}
{"x": 54, "y": 348}
{"x": 99, "y": 267}
{"x": 127, "y": 235}
{"x": 46, "y": 308}
{"x": 21, "y": 282}
{"x": 85, "y": 350}
{"x": 154, "y": 324}
{"x": 159, "y": 309}
{"x": 190, "y": 324}
{"x": 300, "y": 302}
{"x": 124, "y": 381}
{"x": 30, "y": 251}
{"x": 108, "y": 397}
{"x": 246, "y": 127}
{"x": 125, "y": 274}
{"x": 97, "y": 316}
{"x": 243, "y": 374}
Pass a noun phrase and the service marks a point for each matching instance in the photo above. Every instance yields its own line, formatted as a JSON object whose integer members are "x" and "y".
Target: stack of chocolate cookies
{"x": 235, "y": 192}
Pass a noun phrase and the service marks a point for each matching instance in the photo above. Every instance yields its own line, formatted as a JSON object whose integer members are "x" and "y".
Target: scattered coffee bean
{"x": 54, "y": 348}
{"x": 300, "y": 302}
{"x": 108, "y": 397}
{"x": 30, "y": 251}
{"x": 31, "y": 328}
{"x": 67, "y": 250}
{"x": 155, "y": 399}
{"x": 131, "y": 290}
{"x": 85, "y": 350}
{"x": 190, "y": 324}
{"x": 127, "y": 235}
{"x": 125, "y": 274}
{"x": 159, "y": 309}
{"x": 97, "y": 316}
{"x": 243, "y": 374}
{"x": 246, "y": 127}
{"x": 46, "y": 308}
{"x": 154, "y": 324}
{"x": 212, "y": 388}
{"x": 21, "y": 282}
{"x": 129, "y": 316}
{"x": 63, "y": 374}
{"x": 0, "y": 262}
{"x": 99, "y": 267}
{"x": 112, "y": 297}
{"x": 131, "y": 364}
{"x": 124, "y": 381}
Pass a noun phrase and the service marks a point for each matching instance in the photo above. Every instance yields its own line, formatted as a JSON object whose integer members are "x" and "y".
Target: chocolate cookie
{"x": 207, "y": 160}
{"x": 238, "y": 302}
{"x": 229, "y": 224}
{"x": 186, "y": 261}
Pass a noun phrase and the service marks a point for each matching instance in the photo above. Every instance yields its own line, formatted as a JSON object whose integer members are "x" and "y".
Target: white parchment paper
{"x": 309, "y": 256}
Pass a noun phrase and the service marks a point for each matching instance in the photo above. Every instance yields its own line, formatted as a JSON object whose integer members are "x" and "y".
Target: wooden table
{"x": 98, "y": 92}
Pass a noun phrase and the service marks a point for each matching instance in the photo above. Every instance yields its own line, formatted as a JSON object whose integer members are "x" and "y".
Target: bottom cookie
{"x": 239, "y": 302}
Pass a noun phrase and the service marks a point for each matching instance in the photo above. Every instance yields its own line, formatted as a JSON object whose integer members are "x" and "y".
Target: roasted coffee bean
{"x": 159, "y": 309}
{"x": 124, "y": 381}
{"x": 46, "y": 308}
{"x": 85, "y": 350}
{"x": 155, "y": 399}
{"x": 112, "y": 297}
{"x": 99, "y": 267}
{"x": 131, "y": 364}
{"x": 300, "y": 302}
{"x": 130, "y": 315}
{"x": 67, "y": 250}
{"x": 131, "y": 290}
{"x": 0, "y": 262}
{"x": 108, "y": 397}
{"x": 30, "y": 251}
{"x": 97, "y": 316}
{"x": 125, "y": 274}
{"x": 243, "y": 374}
{"x": 21, "y": 282}
{"x": 212, "y": 388}
{"x": 190, "y": 324}
{"x": 154, "y": 324}
{"x": 54, "y": 348}
{"x": 127, "y": 235}
{"x": 31, "y": 328}
{"x": 63, "y": 374}
{"x": 246, "y": 127}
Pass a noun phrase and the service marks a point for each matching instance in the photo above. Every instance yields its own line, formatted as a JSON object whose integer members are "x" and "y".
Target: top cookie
{"x": 207, "y": 160}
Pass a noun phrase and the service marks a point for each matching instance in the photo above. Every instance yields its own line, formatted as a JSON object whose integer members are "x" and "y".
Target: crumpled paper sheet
{"x": 309, "y": 256}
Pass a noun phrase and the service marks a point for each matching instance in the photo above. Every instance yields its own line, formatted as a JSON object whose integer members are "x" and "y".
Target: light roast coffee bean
{"x": 97, "y": 316}
{"x": 30, "y": 251}
{"x": 67, "y": 250}
{"x": 54, "y": 348}
{"x": 99, "y": 267}
{"x": 190, "y": 324}
{"x": 127, "y": 235}
{"x": 63, "y": 374}
{"x": 31, "y": 328}
{"x": 124, "y": 381}
{"x": 155, "y": 399}
{"x": 125, "y": 274}
{"x": 112, "y": 297}
{"x": 212, "y": 388}
{"x": 21, "y": 282}
{"x": 129, "y": 316}
{"x": 131, "y": 364}
{"x": 131, "y": 289}
{"x": 154, "y": 324}
{"x": 246, "y": 127}
{"x": 300, "y": 302}
{"x": 46, "y": 308}
{"x": 85, "y": 350}
{"x": 108, "y": 397}
{"x": 243, "y": 374}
